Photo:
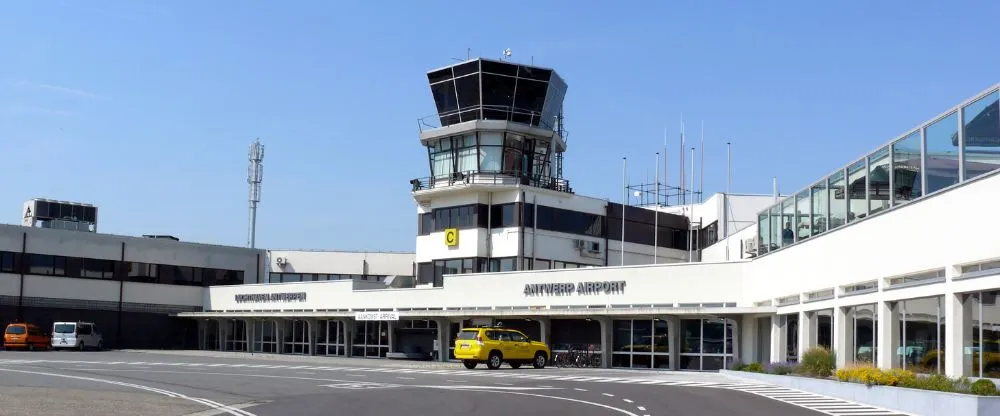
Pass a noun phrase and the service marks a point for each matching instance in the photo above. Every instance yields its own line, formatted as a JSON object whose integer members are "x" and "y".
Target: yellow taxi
{"x": 495, "y": 346}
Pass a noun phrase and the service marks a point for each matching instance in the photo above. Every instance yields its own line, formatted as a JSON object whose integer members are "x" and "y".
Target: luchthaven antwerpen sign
{"x": 271, "y": 297}
{"x": 582, "y": 288}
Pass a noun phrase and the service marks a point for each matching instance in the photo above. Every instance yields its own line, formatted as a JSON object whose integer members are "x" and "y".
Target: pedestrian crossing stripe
{"x": 823, "y": 404}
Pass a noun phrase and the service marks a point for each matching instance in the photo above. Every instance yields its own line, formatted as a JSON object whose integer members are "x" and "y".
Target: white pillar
{"x": 444, "y": 338}
{"x": 248, "y": 331}
{"x": 843, "y": 336}
{"x": 311, "y": 331}
{"x": 888, "y": 335}
{"x": 674, "y": 340}
{"x": 545, "y": 330}
{"x": 606, "y": 340}
{"x": 808, "y": 331}
{"x": 955, "y": 335}
{"x": 779, "y": 338}
{"x": 347, "y": 324}
{"x": 747, "y": 346}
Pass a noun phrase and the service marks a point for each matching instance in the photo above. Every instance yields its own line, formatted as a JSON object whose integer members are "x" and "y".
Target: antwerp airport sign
{"x": 582, "y": 288}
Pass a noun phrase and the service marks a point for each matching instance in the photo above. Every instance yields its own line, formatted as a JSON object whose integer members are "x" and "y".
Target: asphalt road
{"x": 124, "y": 383}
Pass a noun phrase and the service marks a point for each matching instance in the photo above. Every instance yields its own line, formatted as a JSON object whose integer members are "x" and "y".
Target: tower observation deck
{"x": 497, "y": 123}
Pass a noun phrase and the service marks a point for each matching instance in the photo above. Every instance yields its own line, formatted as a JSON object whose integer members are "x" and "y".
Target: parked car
{"x": 78, "y": 335}
{"x": 496, "y": 345}
{"x": 24, "y": 335}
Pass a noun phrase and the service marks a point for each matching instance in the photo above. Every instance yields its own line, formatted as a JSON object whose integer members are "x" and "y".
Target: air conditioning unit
{"x": 750, "y": 246}
{"x": 594, "y": 247}
{"x": 281, "y": 261}
{"x": 579, "y": 244}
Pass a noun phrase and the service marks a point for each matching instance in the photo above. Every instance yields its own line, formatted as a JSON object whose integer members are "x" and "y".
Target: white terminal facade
{"x": 869, "y": 261}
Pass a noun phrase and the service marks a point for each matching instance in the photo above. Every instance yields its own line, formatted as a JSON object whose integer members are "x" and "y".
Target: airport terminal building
{"x": 890, "y": 259}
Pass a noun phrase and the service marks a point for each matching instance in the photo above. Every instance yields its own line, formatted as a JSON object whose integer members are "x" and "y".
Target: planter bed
{"x": 917, "y": 402}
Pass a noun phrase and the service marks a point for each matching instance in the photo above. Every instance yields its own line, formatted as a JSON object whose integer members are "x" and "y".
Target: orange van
{"x": 27, "y": 336}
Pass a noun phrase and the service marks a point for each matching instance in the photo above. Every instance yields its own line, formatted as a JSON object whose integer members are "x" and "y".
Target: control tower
{"x": 496, "y": 123}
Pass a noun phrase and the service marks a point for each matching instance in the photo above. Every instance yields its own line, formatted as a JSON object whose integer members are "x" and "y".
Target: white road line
{"x": 209, "y": 403}
{"x": 627, "y": 401}
{"x": 643, "y": 409}
{"x": 579, "y": 389}
{"x": 619, "y": 410}
{"x": 405, "y": 378}
{"x": 608, "y": 394}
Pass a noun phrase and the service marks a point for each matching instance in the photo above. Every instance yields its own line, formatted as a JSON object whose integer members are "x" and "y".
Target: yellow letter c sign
{"x": 451, "y": 237}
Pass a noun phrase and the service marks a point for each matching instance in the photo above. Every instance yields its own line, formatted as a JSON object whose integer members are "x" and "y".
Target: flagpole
{"x": 656, "y": 213}
{"x": 624, "y": 202}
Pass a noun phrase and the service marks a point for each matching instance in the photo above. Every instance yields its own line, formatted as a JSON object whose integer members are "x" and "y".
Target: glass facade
{"x": 862, "y": 330}
{"x": 706, "y": 344}
{"x": 641, "y": 343}
{"x": 963, "y": 144}
{"x": 921, "y": 335}
{"x": 981, "y": 346}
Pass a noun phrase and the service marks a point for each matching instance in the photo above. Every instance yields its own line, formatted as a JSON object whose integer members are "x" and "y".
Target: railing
{"x": 491, "y": 178}
{"x": 489, "y": 112}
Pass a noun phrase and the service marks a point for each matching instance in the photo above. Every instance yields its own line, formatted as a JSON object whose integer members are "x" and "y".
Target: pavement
{"x": 203, "y": 383}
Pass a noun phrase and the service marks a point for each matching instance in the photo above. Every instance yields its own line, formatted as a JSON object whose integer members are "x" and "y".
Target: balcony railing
{"x": 491, "y": 178}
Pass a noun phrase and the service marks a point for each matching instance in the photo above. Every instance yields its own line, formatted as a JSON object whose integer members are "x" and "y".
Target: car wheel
{"x": 470, "y": 364}
{"x": 100, "y": 345}
{"x": 494, "y": 360}
{"x": 515, "y": 365}
{"x": 82, "y": 347}
{"x": 539, "y": 361}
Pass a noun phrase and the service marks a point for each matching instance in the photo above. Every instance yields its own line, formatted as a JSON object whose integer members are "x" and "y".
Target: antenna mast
{"x": 255, "y": 176}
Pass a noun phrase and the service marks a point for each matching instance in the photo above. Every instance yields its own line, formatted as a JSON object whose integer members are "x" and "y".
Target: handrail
{"x": 491, "y": 178}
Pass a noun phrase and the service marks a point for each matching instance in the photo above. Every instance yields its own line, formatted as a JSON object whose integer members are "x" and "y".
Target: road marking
{"x": 206, "y": 402}
{"x": 361, "y": 385}
{"x": 405, "y": 378}
{"x": 544, "y": 386}
{"x": 608, "y": 394}
{"x": 622, "y": 411}
{"x": 305, "y": 372}
{"x": 488, "y": 388}
{"x": 579, "y": 389}
{"x": 213, "y": 412}
{"x": 641, "y": 409}
{"x": 627, "y": 401}
{"x": 504, "y": 384}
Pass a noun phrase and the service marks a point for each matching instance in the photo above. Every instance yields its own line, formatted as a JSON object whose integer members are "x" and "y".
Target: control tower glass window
{"x": 484, "y": 89}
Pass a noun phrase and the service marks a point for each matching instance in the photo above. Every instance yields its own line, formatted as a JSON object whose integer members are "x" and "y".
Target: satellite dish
{"x": 506, "y": 52}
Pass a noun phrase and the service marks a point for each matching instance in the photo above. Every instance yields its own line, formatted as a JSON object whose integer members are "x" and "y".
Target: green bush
{"x": 934, "y": 382}
{"x": 983, "y": 387}
{"x": 818, "y": 362}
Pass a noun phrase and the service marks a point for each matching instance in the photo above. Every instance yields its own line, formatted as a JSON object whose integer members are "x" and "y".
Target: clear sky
{"x": 146, "y": 108}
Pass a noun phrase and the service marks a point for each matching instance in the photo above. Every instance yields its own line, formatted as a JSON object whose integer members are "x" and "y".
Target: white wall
{"x": 734, "y": 245}
{"x": 646, "y": 285}
{"x": 343, "y": 262}
{"x": 944, "y": 230}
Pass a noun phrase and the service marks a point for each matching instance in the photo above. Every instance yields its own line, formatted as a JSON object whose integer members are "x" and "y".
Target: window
{"x": 466, "y": 153}
{"x": 442, "y": 160}
{"x": 97, "y": 269}
{"x": 921, "y": 335}
{"x": 838, "y": 200}
{"x": 426, "y": 224}
{"x": 983, "y": 346}
{"x": 462, "y": 217}
{"x": 787, "y": 221}
{"x": 906, "y": 169}
{"x": 941, "y": 158}
{"x": 490, "y": 151}
{"x": 41, "y": 264}
{"x": 803, "y": 224}
{"x": 763, "y": 233}
{"x": 776, "y": 234}
{"x": 857, "y": 191}
{"x": 981, "y": 131}
{"x": 7, "y": 264}
{"x": 820, "y": 206}
{"x": 505, "y": 264}
{"x": 878, "y": 180}
{"x": 504, "y": 215}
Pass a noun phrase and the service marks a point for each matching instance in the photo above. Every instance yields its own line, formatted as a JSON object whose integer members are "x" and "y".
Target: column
{"x": 348, "y": 328}
{"x": 737, "y": 331}
{"x": 391, "y": 329}
{"x": 607, "y": 338}
{"x": 747, "y": 346}
{"x": 779, "y": 339}
{"x": 223, "y": 332}
{"x": 545, "y": 329}
{"x": 888, "y": 335}
{"x": 674, "y": 340}
{"x": 443, "y": 338}
{"x": 955, "y": 333}
{"x": 248, "y": 330}
{"x": 843, "y": 336}
{"x": 311, "y": 331}
{"x": 808, "y": 332}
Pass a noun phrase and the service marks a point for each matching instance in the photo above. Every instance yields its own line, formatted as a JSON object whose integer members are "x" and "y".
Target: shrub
{"x": 866, "y": 374}
{"x": 818, "y": 362}
{"x": 983, "y": 387}
{"x": 781, "y": 369}
{"x": 754, "y": 368}
{"x": 934, "y": 382}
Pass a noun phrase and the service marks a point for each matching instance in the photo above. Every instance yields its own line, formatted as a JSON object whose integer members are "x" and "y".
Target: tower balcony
{"x": 484, "y": 179}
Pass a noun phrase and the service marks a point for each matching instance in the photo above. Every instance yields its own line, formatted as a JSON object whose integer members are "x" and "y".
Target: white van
{"x": 79, "y": 335}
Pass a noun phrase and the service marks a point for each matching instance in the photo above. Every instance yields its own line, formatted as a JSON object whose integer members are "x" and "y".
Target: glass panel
{"x": 981, "y": 126}
{"x": 642, "y": 336}
{"x": 787, "y": 217}
{"x": 941, "y": 160}
{"x": 857, "y": 190}
{"x": 838, "y": 204}
{"x": 661, "y": 337}
{"x": 906, "y": 166}
{"x": 763, "y": 233}
{"x": 990, "y": 340}
{"x": 441, "y": 163}
{"x": 921, "y": 334}
{"x": 775, "y": 227}
{"x": 819, "y": 207}
{"x": 864, "y": 329}
{"x": 623, "y": 335}
{"x": 690, "y": 335}
{"x": 803, "y": 223}
{"x": 878, "y": 180}
{"x": 713, "y": 338}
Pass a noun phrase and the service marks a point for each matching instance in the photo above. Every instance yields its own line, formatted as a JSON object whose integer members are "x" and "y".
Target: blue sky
{"x": 146, "y": 108}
